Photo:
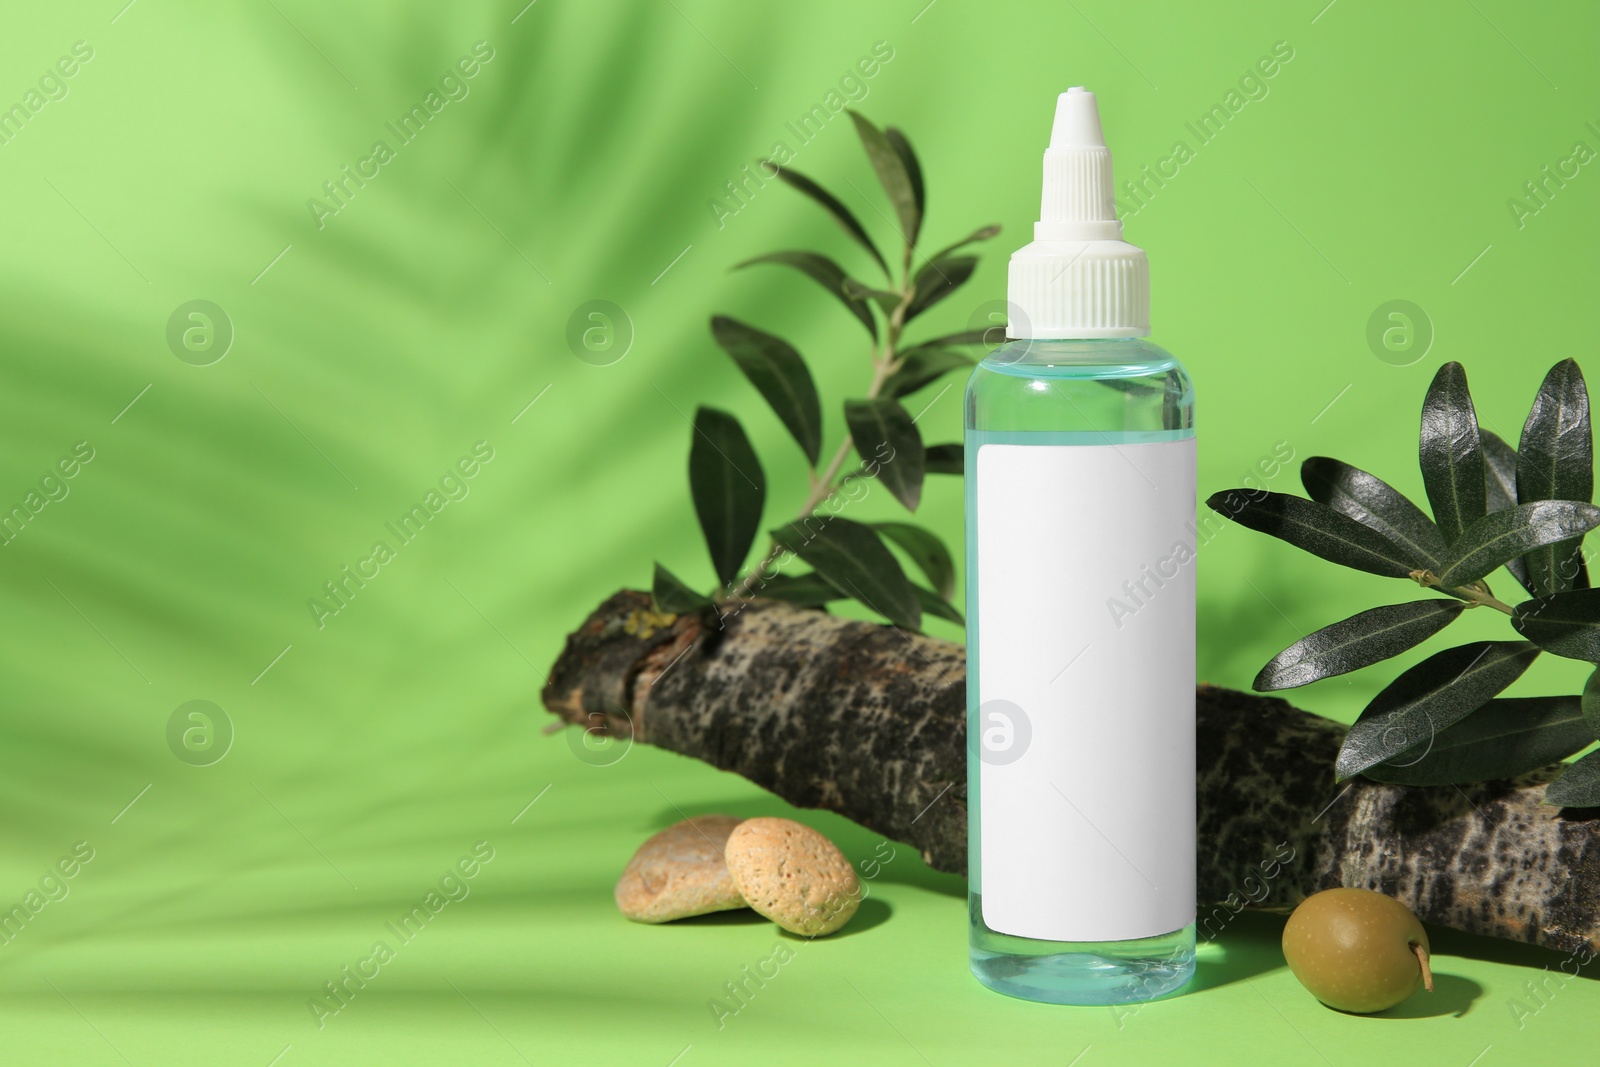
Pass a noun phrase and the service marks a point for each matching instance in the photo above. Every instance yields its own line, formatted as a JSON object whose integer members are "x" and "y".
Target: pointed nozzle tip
{"x": 1077, "y": 122}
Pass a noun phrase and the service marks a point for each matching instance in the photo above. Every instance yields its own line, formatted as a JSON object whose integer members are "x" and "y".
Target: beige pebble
{"x": 793, "y": 875}
{"x": 680, "y": 872}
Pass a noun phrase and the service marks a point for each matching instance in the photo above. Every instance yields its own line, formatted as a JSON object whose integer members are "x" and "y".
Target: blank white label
{"x": 1085, "y": 660}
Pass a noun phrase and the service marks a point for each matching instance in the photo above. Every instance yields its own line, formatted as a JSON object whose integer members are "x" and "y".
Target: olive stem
{"x": 1427, "y": 972}
{"x": 1476, "y": 595}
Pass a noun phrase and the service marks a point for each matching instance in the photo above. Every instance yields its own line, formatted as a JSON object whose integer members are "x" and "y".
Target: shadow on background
{"x": 872, "y": 912}
{"x": 732, "y": 917}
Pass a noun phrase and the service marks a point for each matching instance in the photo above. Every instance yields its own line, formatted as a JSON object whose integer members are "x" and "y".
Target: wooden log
{"x": 870, "y": 722}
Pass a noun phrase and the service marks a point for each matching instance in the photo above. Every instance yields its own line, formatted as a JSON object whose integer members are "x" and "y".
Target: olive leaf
{"x": 965, "y": 337}
{"x": 889, "y": 445}
{"x": 1564, "y": 624}
{"x": 1506, "y": 737}
{"x": 1359, "y": 641}
{"x": 831, "y": 204}
{"x": 937, "y": 279}
{"x": 1435, "y": 694}
{"x": 1526, "y": 509}
{"x": 892, "y": 174}
{"x": 908, "y": 159}
{"x": 826, "y": 273}
{"x": 726, "y": 481}
{"x": 780, "y": 375}
{"x": 1317, "y": 528}
{"x": 937, "y": 606}
{"x": 853, "y": 558}
{"x": 1579, "y": 784}
{"x": 806, "y": 590}
{"x": 1452, "y": 460}
{"x": 943, "y": 459}
{"x": 1591, "y": 703}
{"x": 672, "y": 594}
{"x": 884, "y": 298}
{"x": 1502, "y": 536}
{"x": 1373, "y": 502}
{"x": 728, "y": 487}
{"x": 1500, "y": 489}
{"x": 983, "y": 234}
{"x": 1555, "y": 461}
{"x": 921, "y": 366}
{"x": 927, "y": 551}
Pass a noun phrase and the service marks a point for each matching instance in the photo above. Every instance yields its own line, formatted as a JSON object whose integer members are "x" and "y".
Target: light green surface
{"x": 370, "y": 755}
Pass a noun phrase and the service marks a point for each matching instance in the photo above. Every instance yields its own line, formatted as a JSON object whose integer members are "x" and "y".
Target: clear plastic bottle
{"x": 1081, "y": 542}
{"x": 1083, "y": 392}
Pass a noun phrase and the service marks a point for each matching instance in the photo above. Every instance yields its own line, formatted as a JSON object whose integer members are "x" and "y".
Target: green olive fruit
{"x": 1357, "y": 950}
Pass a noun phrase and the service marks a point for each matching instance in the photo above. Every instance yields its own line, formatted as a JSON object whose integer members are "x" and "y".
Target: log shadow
{"x": 1541, "y": 963}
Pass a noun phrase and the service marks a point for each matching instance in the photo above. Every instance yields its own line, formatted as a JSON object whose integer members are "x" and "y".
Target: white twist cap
{"x": 1078, "y": 278}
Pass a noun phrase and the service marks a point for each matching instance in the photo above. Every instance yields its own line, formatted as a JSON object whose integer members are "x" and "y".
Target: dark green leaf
{"x": 943, "y": 459}
{"x": 892, "y": 174}
{"x": 1578, "y": 786}
{"x": 1373, "y": 502}
{"x": 889, "y": 445}
{"x": 1315, "y": 527}
{"x": 923, "y": 365}
{"x": 826, "y": 273}
{"x": 908, "y": 159}
{"x": 1357, "y": 642}
{"x": 1591, "y": 703}
{"x": 1500, "y": 489}
{"x": 1506, "y": 737}
{"x": 926, "y": 551}
{"x": 1452, "y": 460}
{"x": 779, "y": 375}
{"x": 728, "y": 488}
{"x": 965, "y": 337}
{"x": 975, "y": 236}
{"x": 831, "y": 204}
{"x": 936, "y": 605}
{"x": 1500, "y": 471}
{"x": 887, "y": 299}
{"x": 806, "y": 590}
{"x": 853, "y": 558}
{"x": 1566, "y": 624}
{"x": 1504, "y": 535}
{"x": 1555, "y": 461}
{"x": 1435, "y": 694}
{"x": 671, "y": 594}
{"x": 937, "y": 279}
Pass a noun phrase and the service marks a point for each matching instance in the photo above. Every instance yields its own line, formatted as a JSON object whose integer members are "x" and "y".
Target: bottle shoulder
{"x": 1132, "y": 357}
{"x": 1104, "y": 386}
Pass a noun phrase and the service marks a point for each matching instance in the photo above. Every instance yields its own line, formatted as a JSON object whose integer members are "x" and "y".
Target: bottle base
{"x": 1055, "y": 972}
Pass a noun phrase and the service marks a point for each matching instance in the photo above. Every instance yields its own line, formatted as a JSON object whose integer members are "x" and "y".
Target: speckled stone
{"x": 680, "y": 872}
{"x": 793, "y": 875}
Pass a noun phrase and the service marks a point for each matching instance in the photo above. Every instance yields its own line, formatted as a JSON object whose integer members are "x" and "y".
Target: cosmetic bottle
{"x": 1080, "y": 509}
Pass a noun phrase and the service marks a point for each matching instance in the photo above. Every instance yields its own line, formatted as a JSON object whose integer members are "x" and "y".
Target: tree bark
{"x": 870, "y": 722}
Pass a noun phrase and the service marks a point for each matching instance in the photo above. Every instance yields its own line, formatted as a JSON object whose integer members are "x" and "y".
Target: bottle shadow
{"x": 1250, "y": 945}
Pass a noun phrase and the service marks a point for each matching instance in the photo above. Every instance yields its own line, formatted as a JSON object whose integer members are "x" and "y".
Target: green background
{"x": 371, "y": 353}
